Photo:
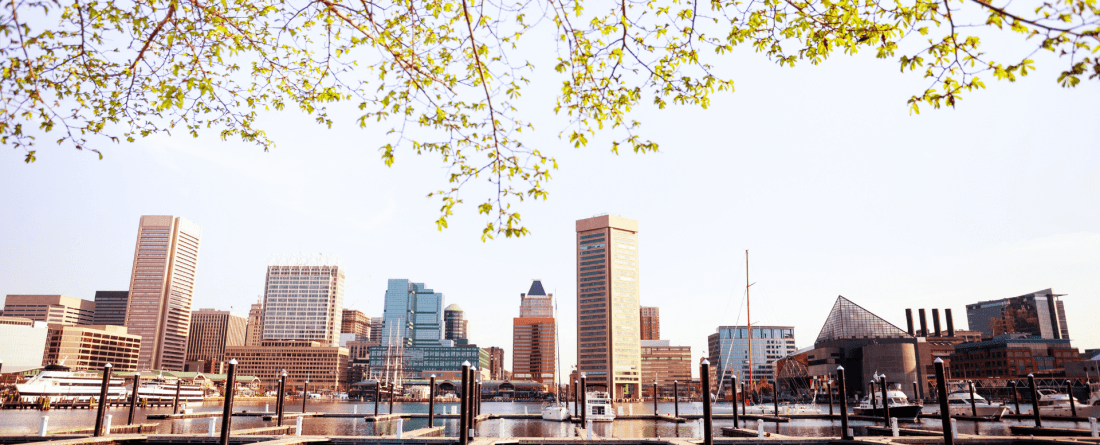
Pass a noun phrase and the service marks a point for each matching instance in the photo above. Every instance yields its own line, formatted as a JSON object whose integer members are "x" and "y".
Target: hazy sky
{"x": 820, "y": 171}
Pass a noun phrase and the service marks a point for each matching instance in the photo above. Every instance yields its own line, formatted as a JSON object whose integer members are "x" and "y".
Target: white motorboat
{"x": 57, "y": 382}
{"x": 958, "y": 404}
{"x": 597, "y": 406}
{"x": 1094, "y": 394}
{"x": 1054, "y": 403}
{"x": 555, "y": 412}
{"x": 164, "y": 391}
{"x": 899, "y": 404}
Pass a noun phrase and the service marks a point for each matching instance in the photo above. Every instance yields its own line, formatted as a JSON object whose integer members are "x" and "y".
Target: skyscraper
{"x": 608, "y": 337}
{"x": 357, "y": 323}
{"x": 1039, "y": 314}
{"x": 457, "y": 324}
{"x": 729, "y": 350}
{"x": 162, "y": 284}
{"x": 376, "y": 330}
{"x": 255, "y": 332}
{"x": 651, "y": 323}
{"x": 59, "y": 309}
{"x": 533, "y": 336}
{"x": 110, "y": 307}
{"x": 304, "y": 299}
{"x": 211, "y": 331}
{"x": 413, "y": 315}
{"x": 496, "y": 363}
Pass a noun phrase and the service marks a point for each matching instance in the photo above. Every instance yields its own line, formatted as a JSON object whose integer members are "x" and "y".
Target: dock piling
{"x": 377, "y": 395}
{"x": 733, "y": 387}
{"x": 400, "y": 427}
{"x": 655, "y": 398}
{"x": 954, "y": 429}
{"x": 176, "y": 401}
{"x": 894, "y": 426}
{"x": 676, "y": 397}
{"x": 464, "y": 396}
{"x": 355, "y": 409}
{"x": 392, "y": 386}
{"x": 1072, "y": 400}
{"x": 775, "y": 399}
{"x": 576, "y": 396}
{"x": 760, "y": 429}
{"x": 916, "y": 393}
{"x": 1093, "y": 427}
{"x": 885, "y": 402}
{"x": 305, "y": 396}
{"x": 1034, "y": 400}
{"x": 744, "y": 397}
{"x": 973, "y": 403}
{"x": 227, "y": 410}
{"x": 845, "y": 433}
{"x": 107, "y": 424}
{"x": 133, "y": 398}
{"x": 282, "y": 397}
{"x": 102, "y": 406}
{"x": 704, "y": 375}
{"x": 945, "y": 410}
{"x": 298, "y": 426}
{"x": 588, "y": 429}
{"x": 584, "y": 400}
{"x": 210, "y": 430}
{"x": 1015, "y": 397}
{"x": 431, "y": 402}
{"x": 46, "y": 421}
{"x": 828, "y": 387}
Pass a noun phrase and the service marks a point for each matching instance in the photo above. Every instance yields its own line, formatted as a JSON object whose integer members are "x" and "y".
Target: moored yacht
{"x": 958, "y": 404}
{"x": 899, "y": 404}
{"x": 58, "y": 382}
{"x": 164, "y": 391}
{"x": 1054, "y": 403}
{"x": 598, "y": 406}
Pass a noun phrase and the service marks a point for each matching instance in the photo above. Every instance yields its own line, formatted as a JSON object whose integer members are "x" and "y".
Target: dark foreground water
{"x": 27, "y": 421}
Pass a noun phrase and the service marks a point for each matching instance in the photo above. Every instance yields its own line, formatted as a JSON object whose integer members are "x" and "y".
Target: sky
{"x": 819, "y": 171}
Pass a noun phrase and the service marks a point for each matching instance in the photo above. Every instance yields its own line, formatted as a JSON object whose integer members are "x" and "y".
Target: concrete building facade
{"x": 24, "y": 346}
{"x": 496, "y": 363}
{"x": 162, "y": 284}
{"x": 650, "y": 323}
{"x": 212, "y": 331}
{"x": 255, "y": 332}
{"x": 457, "y": 326}
{"x": 728, "y": 350}
{"x": 608, "y": 286}
{"x": 54, "y": 309}
{"x": 357, "y": 323}
{"x": 110, "y": 307}
{"x": 90, "y": 347}
{"x": 323, "y": 365}
{"x": 664, "y": 364}
{"x": 304, "y": 299}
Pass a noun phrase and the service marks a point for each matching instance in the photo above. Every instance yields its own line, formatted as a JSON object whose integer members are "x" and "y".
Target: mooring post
{"x": 733, "y": 387}
{"x": 431, "y": 402}
{"x": 211, "y": 431}
{"x": 654, "y": 398}
{"x": 133, "y": 398}
{"x": 588, "y": 429}
{"x": 400, "y": 427}
{"x": 973, "y": 403}
{"x": 1034, "y": 400}
{"x": 298, "y": 426}
{"x": 227, "y": 411}
{"x": 744, "y": 397}
{"x": 954, "y": 429}
{"x": 945, "y": 410}
{"x": 102, "y": 400}
{"x": 843, "y": 393}
{"x": 828, "y": 388}
{"x": 1015, "y": 397}
{"x": 894, "y": 426}
{"x": 874, "y": 395}
{"x": 377, "y": 395}
{"x": 107, "y": 424}
{"x": 46, "y": 421}
{"x": 1093, "y": 428}
{"x": 305, "y": 395}
{"x": 885, "y": 402}
{"x": 676, "y": 397}
{"x": 1072, "y": 400}
{"x": 584, "y": 399}
{"x": 176, "y": 401}
{"x": 464, "y": 395}
{"x": 704, "y": 375}
{"x": 281, "y": 397}
{"x": 393, "y": 390}
{"x": 760, "y": 429}
{"x": 576, "y": 396}
{"x": 775, "y": 399}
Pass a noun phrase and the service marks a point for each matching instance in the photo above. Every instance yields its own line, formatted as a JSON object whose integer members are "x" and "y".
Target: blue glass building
{"x": 413, "y": 315}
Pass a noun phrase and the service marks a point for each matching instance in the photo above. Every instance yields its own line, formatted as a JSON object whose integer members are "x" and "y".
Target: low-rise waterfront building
{"x": 664, "y": 364}
{"x": 90, "y": 347}
{"x": 53, "y": 309}
{"x": 1013, "y": 355}
{"x": 324, "y": 366}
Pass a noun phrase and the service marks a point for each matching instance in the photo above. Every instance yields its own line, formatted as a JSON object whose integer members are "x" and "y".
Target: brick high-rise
{"x": 608, "y": 284}
{"x": 650, "y": 323}
{"x": 162, "y": 286}
{"x": 211, "y": 331}
{"x": 533, "y": 337}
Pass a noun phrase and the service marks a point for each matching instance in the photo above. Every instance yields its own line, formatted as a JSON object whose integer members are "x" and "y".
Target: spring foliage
{"x": 444, "y": 75}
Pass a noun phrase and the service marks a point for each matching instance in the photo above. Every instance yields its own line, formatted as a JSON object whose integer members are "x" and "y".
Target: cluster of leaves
{"x": 445, "y": 75}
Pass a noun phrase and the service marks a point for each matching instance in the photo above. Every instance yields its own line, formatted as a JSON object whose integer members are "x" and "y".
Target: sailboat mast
{"x": 748, "y": 316}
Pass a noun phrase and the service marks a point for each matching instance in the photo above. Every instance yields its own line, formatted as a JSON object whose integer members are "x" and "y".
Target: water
{"x": 27, "y": 421}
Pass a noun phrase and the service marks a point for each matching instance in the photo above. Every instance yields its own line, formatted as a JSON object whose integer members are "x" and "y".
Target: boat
{"x": 1094, "y": 394}
{"x": 164, "y": 391}
{"x": 958, "y": 404}
{"x": 597, "y": 406}
{"x": 558, "y": 411}
{"x": 899, "y": 404}
{"x": 58, "y": 382}
{"x": 1055, "y": 404}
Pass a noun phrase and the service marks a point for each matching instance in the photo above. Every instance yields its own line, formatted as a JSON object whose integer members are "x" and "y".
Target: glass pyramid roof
{"x": 848, "y": 320}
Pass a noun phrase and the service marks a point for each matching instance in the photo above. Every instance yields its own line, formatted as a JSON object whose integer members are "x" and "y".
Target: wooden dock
{"x": 1021, "y": 430}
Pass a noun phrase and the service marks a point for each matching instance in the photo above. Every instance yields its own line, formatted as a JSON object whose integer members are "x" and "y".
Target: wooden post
{"x": 584, "y": 399}
{"x": 704, "y": 376}
{"x": 843, "y": 393}
{"x": 945, "y": 409}
{"x": 733, "y": 387}
{"x": 775, "y": 398}
{"x": 102, "y": 400}
{"x": 829, "y": 388}
{"x": 377, "y": 396}
{"x": 280, "y": 397}
{"x": 654, "y": 398}
{"x": 1015, "y": 397}
{"x": 885, "y": 403}
{"x": 973, "y": 403}
{"x": 1072, "y": 400}
{"x": 176, "y": 401}
{"x": 576, "y": 396}
{"x": 464, "y": 397}
{"x": 393, "y": 387}
{"x": 227, "y": 411}
{"x": 134, "y": 398}
{"x": 305, "y": 395}
{"x": 676, "y": 397}
{"x": 431, "y": 402}
{"x": 916, "y": 392}
{"x": 874, "y": 397}
{"x": 1034, "y": 400}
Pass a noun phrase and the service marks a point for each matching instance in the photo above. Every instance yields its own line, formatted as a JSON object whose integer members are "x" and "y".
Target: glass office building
{"x": 413, "y": 315}
{"x": 729, "y": 350}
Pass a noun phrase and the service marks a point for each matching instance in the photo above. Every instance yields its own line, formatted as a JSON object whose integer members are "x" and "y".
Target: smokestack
{"x": 909, "y": 321}
{"x": 923, "y": 323}
{"x": 950, "y": 323}
{"x": 936, "y": 321}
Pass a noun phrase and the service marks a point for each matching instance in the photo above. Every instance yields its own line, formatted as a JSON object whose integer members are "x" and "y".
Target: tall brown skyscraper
{"x": 651, "y": 323}
{"x": 255, "y": 331}
{"x": 533, "y": 336}
{"x": 211, "y": 331}
{"x": 608, "y": 284}
{"x": 162, "y": 285}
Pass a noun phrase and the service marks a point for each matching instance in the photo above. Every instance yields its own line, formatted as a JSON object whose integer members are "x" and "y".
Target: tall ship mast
{"x": 748, "y": 320}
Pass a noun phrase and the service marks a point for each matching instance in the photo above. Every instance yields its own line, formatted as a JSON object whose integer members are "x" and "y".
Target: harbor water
{"x": 27, "y": 421}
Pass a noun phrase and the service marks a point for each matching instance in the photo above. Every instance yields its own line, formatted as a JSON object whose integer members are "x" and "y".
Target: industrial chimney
{"x": 909, "y": 321}
{"x": 950, "y": 323}
{"x": 923, "y": 323}
{"x": 936, "y": 321}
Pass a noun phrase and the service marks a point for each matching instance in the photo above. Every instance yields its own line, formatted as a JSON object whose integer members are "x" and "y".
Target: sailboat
{"x": 559, "y": 410}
